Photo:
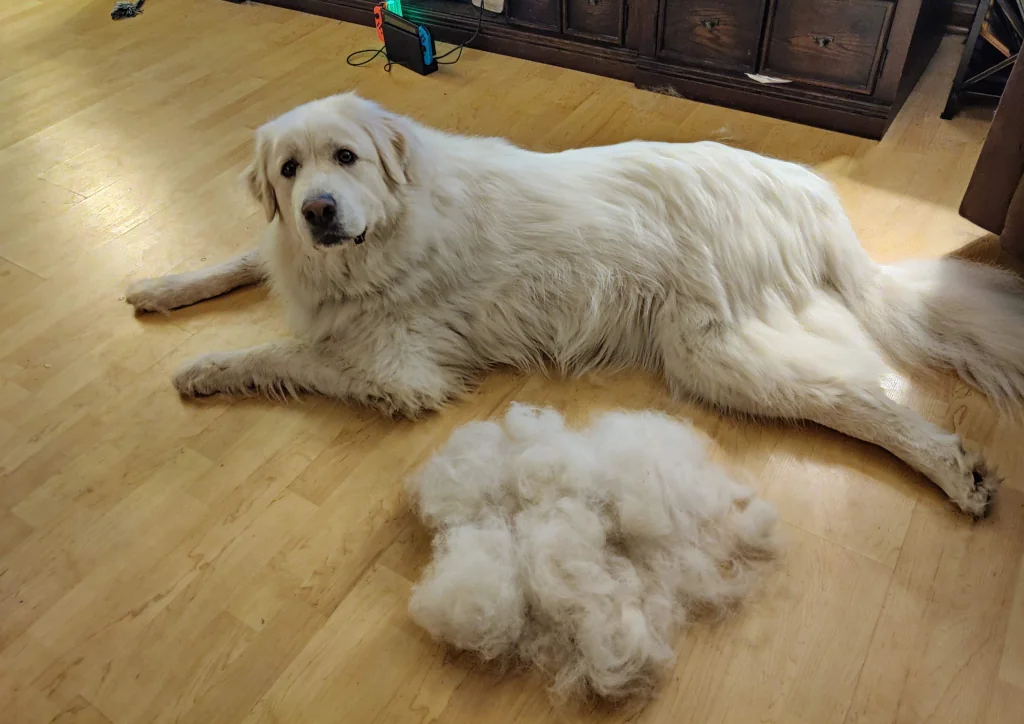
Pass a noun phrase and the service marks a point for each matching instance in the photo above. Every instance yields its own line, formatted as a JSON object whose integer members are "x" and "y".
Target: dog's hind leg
{"x": 820, "y": 366}
{"x": 163, "y": 294}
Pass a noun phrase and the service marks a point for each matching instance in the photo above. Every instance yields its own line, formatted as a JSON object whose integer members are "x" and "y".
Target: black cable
{"x": 382, "y": 50}
{"x": 461, "y": 46}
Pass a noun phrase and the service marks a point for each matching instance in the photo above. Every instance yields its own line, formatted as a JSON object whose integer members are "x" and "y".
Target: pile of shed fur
{"x": 582, "y": 552}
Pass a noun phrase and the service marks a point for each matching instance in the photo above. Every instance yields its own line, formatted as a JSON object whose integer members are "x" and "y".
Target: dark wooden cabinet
{"x": 714, "y": 33}
{"x": 831, "y": 43}
{"x": 847, "y": 65}
{"x": 542, "y": 14}
{"x": 601, "y": 20}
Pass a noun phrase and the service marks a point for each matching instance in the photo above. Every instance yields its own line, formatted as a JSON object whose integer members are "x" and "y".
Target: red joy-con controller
{"x": 378, "y": 21}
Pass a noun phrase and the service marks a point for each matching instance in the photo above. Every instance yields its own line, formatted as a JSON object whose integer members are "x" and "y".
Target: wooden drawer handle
{"x": 823, "y": 41}
{"x": 710, "y": 23}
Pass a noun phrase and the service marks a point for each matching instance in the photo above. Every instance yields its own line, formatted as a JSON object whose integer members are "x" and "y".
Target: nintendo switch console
{"x": 407, "y": 44}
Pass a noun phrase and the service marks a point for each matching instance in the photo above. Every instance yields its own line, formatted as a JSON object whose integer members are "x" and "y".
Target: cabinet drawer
{"x": 543, "y": 14}
{"x": 721, "y": 33}
{"x": 832, "y": 43}
{"x": 596, "y": 19}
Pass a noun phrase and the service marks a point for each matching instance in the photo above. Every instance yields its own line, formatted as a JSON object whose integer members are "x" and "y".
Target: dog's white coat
{"x": 581, "y": 551}
{"x": 736, "y": 277}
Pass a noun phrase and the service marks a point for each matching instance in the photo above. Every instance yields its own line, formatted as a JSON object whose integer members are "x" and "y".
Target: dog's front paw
{"x": 153, "y": 295}
{"x": 403, "y": 402}
{"x": 208, "y": 375}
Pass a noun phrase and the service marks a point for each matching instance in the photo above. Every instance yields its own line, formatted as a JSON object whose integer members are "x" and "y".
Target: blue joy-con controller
{"x": 427, "y": 45}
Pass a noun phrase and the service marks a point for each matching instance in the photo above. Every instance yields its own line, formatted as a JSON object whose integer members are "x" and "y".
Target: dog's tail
{"x": 948, "y": 313}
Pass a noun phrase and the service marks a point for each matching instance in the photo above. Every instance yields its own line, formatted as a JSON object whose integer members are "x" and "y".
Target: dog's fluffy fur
{"x": 582, "y": 551}
{"x": 737, "y": 278}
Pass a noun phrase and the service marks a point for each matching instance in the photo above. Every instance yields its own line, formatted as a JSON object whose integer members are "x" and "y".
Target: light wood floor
{"x": 219, "y": 562}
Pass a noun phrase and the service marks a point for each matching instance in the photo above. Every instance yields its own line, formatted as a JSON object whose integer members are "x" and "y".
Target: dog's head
{"x": 334, "y": 169}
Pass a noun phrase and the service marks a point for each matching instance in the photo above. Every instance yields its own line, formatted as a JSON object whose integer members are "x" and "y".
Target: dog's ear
{"x": 391, "y": 141}
{"x": 257, "y": 181}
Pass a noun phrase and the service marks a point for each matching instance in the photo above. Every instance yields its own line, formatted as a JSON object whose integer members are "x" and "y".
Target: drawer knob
{"x": 710, "y": 23}
{"x": 823, "y": 41}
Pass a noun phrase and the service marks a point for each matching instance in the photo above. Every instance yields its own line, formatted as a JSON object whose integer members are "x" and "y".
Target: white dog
{"x": 411, "y": 260}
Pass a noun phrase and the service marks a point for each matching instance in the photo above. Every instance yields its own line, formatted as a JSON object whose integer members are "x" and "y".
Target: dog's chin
{"x": 333, "y": 239}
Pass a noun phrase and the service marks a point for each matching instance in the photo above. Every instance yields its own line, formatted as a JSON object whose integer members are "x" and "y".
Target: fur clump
{"x": 582, "y": 552}
{"x": 124, "y": 10}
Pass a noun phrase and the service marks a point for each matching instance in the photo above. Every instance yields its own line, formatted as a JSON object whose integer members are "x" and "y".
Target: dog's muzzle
{"x": 321, "y": 214}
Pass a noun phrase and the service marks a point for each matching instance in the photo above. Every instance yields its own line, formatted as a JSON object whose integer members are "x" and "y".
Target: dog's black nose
{"x": 320, "y": 212}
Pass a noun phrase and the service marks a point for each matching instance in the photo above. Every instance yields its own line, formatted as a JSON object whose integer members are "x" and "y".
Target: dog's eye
{"x": 345, "y": 157}
{"x": 289, "y": 168}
